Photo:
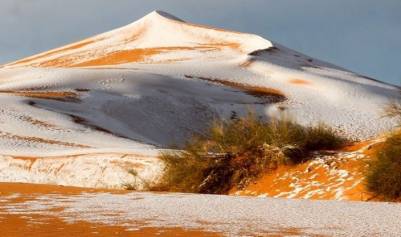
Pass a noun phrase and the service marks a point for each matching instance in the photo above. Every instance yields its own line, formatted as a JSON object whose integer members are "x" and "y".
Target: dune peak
{"x": 158, "y": 14}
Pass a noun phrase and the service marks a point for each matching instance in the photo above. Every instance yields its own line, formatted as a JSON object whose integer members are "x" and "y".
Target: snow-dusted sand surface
{"x": 153, "y": 83}
{"x": 226, "y": 215}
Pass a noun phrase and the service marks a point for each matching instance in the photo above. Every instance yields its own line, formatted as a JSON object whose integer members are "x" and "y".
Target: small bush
{"x": 384, "y": 172}
{"x": 322, "y": 137}
{"x": 233, "y": 153}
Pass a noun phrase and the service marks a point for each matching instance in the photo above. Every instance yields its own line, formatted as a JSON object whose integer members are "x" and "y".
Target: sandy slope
{"x": 151, "y": 84}
{"x": 336, "y": 175}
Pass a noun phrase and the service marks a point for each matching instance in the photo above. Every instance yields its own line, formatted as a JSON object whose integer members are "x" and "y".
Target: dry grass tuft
{"x": 236, "y": 152}
{"x": 384, "y": 173}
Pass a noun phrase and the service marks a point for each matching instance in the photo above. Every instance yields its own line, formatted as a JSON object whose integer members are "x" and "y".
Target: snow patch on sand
{"x": 233, "y": 216}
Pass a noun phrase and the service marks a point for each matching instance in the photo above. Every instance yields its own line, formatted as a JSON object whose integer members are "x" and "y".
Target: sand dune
{"x": 151, "y": 84}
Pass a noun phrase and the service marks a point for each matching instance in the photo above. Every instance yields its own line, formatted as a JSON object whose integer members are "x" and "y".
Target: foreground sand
{"x": 42, "y": 223}
{"x": 43, "y": 210}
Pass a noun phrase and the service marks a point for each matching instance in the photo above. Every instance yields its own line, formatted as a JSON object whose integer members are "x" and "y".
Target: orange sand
{"x": 40, "y": 140}
{"x": 16, "y": 225}
{"x": 49, "y": 225}
{"x": 257, "y": 91}
{"x": 281, "y": 181}
{"x": 52, "y": 95}
{"x": 54, "y": 52}
{"x": 117, "y": 57}
{"x": 299, "y": 82}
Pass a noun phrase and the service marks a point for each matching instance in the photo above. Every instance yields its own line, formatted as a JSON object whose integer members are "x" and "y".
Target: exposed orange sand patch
{"x": 64, "y": 61}
{"x": 50, "y": 223}
{"x": 40, "y": 140}
{"x": 79, "y": 155}
{"x": 372, "y": 149}
{"x": 68, "y": 57}
{"x": 46, "y": 225}
{"x": 314, "y": 180}
{"x": 233, "y": 45}
{"x": 299, "y": 82}
{"x": 257, "y": 91}
{"x": 114, "y": 58}
{"x": 52, "y": 95}
{"x": 358, "y": 146}
{"x": 25, "y": 158}
{"x": 30, "y": 160}
{"x": 23, "y": 188}
{"x": 15, "y": 225}
{"x": 120, "y": 57}
{"x": 39, "y": 123}
{"x": 247, "y": 63}
{"x": 54, "y": 52}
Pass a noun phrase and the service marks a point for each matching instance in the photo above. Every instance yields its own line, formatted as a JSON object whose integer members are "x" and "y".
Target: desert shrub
{"x": 235, "y": 152}
{"x": 322, "y": 137}
{"x": 383, "y": 176}
{"x": 384, "y": 172}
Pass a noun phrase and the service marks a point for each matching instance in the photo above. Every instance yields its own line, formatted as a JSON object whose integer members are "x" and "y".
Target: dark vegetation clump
{"x": 384, "y": 173}
{"x": 236, "y": 152}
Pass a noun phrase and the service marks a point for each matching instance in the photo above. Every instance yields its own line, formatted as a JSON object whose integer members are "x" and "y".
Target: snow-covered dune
{"x": 153, "y": 83}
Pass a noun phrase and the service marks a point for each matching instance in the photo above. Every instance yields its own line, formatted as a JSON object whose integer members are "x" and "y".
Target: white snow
{"x": 231, "y": 216}
{"x": 156, "y": 100}
{"x": 97, "y": 170}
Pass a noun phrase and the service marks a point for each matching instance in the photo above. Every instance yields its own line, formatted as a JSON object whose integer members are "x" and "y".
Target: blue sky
{"x": 361, "y": 35}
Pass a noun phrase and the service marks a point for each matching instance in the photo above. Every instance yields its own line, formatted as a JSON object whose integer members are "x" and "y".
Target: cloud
{"x": 362, "y": 35}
